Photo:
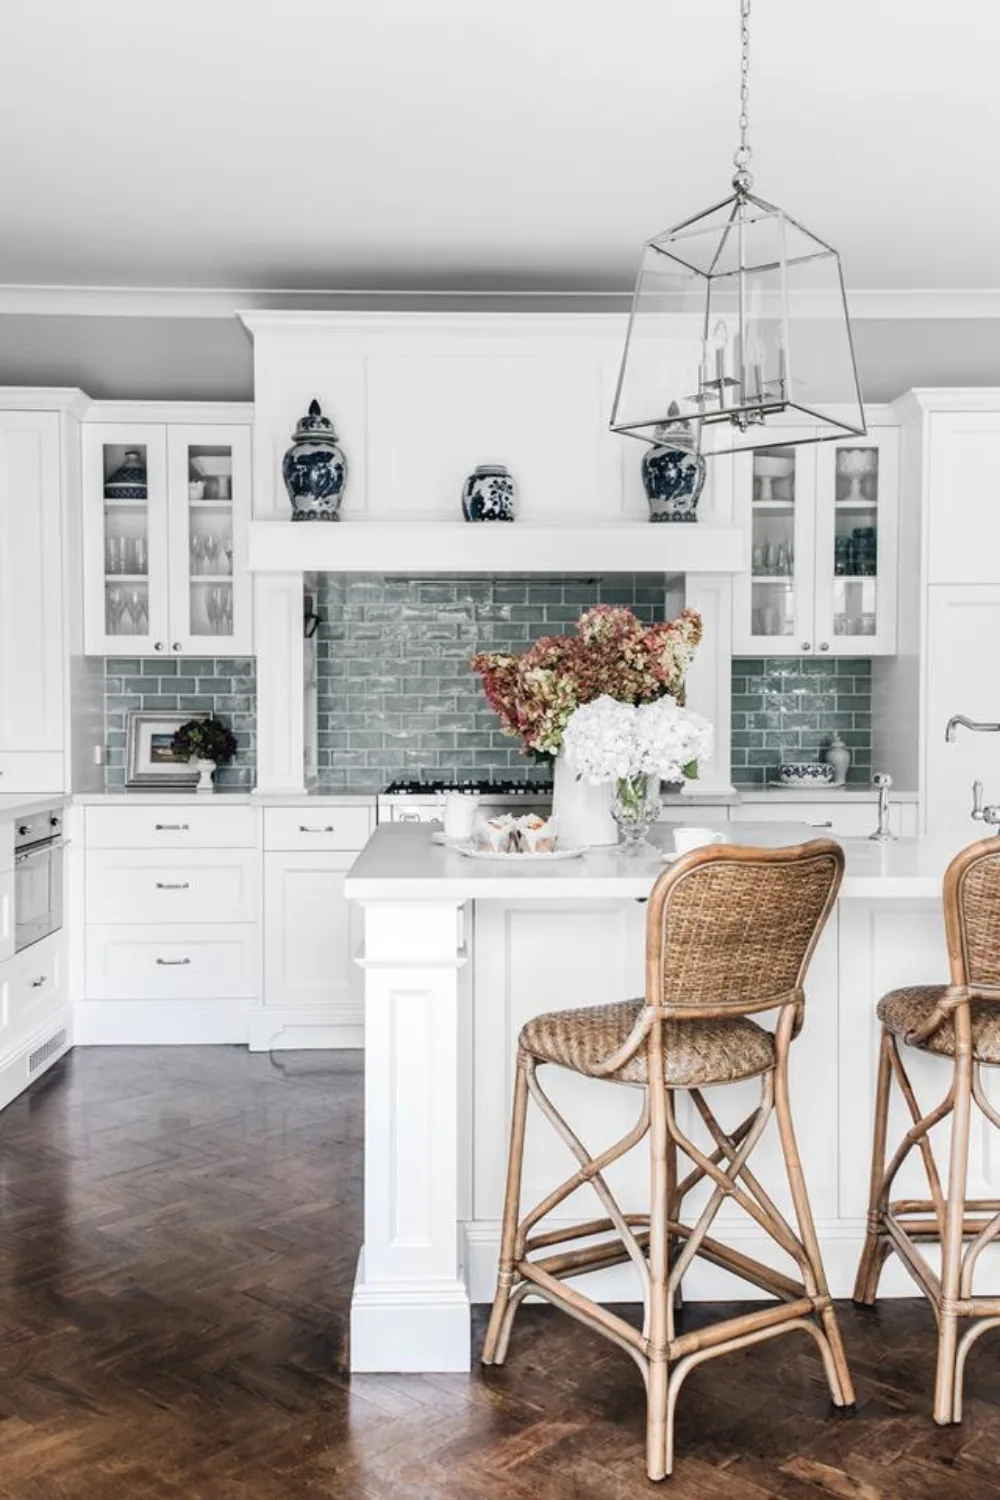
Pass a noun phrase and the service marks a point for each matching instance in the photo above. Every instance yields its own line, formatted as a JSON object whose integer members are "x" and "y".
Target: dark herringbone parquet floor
{"x": 179, "y": 1234}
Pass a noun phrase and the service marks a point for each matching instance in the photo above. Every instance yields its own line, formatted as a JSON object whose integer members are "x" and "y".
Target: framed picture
{"x": 150, "y": 760}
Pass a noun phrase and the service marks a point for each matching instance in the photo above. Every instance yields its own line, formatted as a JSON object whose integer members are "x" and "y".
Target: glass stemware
{"x": 136, "y": 606}
{"x": 212, "y": 550}
{"x": 115, "y": 609}
{"x": 197, "y": 553}
{"x": 227, "y": 547}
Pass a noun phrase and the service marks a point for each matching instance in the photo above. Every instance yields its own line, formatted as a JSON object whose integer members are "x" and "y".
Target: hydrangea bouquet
{"x": 634, "y": 747}
{"x": 613, "y": 655}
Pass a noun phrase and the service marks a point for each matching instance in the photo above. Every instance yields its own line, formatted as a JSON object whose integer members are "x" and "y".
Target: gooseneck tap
{"x": 976, "y": 727}
{"x": 882, "y": 834}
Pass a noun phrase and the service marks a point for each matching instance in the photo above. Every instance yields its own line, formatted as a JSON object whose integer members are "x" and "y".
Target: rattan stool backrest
{"x": 972, "y": 917}
{"x": 731, "y": 929}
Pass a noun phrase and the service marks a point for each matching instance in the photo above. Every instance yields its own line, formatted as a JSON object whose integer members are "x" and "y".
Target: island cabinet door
{"x": 311, "y": 937}
{"x": 963, "y": 628}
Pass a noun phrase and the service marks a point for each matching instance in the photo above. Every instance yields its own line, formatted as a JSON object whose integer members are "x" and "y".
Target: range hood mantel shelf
{"x": 389, "y": 546}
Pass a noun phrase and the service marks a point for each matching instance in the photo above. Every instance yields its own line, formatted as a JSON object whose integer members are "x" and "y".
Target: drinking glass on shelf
{"x": 227, "y": 548}
{"x": 115, "y": 546}
{"x": 115, "y": 608}
{"x": 136, "y": 606}
{"x": 769, "y": 558}
{"x": 781, "y": 564}
{"x": 197, "y": 553}
{"x": 137, "y": 552}
{"x": 212, "y": 550}
{"x": 758, "y": 561}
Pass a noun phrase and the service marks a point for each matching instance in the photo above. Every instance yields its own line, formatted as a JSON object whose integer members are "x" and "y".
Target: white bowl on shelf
{"x": 769, "y": 466}
{"x": 805, "y": 773}
{"x": 212, "y": 467}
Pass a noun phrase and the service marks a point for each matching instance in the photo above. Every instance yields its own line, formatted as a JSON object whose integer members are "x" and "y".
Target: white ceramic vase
{"x": 206, "y": 770}
{"x": 584, "y": 811}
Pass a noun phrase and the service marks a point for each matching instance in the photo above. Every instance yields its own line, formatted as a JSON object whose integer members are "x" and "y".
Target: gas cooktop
{"x": 484, "y": 788}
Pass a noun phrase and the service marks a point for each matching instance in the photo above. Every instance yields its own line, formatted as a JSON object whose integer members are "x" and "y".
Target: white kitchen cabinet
{"x": 963, "y": 522}
{"x": 31, "y": 603}
{"x": 839, "y": 818}
{"x": 166, "y": 508}
{"x": 822, "y": 522}
{"x": 172, "y": 962}
{"x": 172, "y": 886}
{"x": 963, "y": 627}
{"x": 311, "y": 934}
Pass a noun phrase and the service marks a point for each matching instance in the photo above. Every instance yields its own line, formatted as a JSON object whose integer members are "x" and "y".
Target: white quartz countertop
{"x": 14, "y": 805}
{"x": 401, "y": 863}
{"x": 131, "y": 798}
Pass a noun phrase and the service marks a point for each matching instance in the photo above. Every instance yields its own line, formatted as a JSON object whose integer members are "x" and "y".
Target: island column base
{"x": 409, "y": 1329}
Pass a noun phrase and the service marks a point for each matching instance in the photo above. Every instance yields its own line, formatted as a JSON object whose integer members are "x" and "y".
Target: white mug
{"x": 460, "y": 810}
{"x": 688, "y": 838}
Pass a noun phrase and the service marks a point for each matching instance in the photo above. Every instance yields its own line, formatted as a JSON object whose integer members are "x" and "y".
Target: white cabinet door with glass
{"x": 167, "y": 509}
{"x": 822, "y": 523}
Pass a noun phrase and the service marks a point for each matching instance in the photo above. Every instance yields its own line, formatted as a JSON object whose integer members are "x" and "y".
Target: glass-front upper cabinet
{"x": 821, "y": 520}
{"x": 857, "y": 494}
{"x": 125, "y": 538}
{"x": 775, "y": 492}
{"x": 209, "y": 477}
{"x": 166, "y": 512}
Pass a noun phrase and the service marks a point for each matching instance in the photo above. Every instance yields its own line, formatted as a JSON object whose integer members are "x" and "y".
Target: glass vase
{"x": 635, "y": 807}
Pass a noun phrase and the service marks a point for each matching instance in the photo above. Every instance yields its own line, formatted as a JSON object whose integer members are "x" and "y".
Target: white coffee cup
{"x": 460, "y": 809}
{"x": 689, "y": 837}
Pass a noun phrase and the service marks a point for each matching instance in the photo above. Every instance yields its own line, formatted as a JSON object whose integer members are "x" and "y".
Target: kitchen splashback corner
{"x": 789, "y": 709}
{"x": 222, "y": 685}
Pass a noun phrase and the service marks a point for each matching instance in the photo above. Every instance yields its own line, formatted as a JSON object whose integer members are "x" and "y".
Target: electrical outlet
{"x": 100, "y": 755}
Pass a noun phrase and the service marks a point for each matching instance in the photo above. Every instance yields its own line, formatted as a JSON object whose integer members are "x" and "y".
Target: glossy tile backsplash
{"x": 788, "y": 708}
{"x": 222, "y": 685}
{"x": 396, "y": 696}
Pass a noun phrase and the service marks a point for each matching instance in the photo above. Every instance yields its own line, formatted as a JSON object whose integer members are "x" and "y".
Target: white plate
{"x": 471, "y": 851}
{"x": 437, "y": 837}
{"x": 669, "y": 855}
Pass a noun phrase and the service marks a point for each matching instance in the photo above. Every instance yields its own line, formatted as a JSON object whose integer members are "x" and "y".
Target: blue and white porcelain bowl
{"x": 805, "y": 773}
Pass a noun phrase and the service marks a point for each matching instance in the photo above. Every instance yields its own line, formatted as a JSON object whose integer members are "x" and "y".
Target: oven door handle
{"x": 53, "y": 846}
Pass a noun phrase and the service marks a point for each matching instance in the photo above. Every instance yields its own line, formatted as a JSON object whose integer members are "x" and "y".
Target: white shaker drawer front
{"x": 171, "y": 826}
{"x": 6, "y": 915}
{"x": 172, "y": 963}
{"x": 317, "y": 828}
{"x": 144, "y": 886}
{"x": 846, "y": 819}
{"x": 30, "y": 985}
{"x": 24, "y": 771}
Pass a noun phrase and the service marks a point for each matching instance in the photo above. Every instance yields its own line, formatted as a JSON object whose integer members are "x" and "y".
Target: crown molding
{"x": 209, "y": 302}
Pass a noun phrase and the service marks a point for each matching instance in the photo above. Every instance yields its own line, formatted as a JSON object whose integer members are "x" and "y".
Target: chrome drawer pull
{"x": 36, "y": 984}
{"x": 175, "y": 885}
{"x": 827, "y": 824}
{"x": 171, "y": 827}
{"x": 170, "y": 963}
{"x": 304, "y": 828}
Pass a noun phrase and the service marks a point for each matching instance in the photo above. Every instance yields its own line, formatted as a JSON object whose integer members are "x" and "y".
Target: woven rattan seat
{"x": 730, "y": 932}
{"x": 959, "y": 1024}
{"x": 695, "y": 1053}
{"x": 906, "y": 1011}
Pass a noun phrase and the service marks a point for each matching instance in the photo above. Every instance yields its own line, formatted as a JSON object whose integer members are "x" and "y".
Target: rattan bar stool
{"x": 729, "y": 933}
{"x": 960, "y": 1021}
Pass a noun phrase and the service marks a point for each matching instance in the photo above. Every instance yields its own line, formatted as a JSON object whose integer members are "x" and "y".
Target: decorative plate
{"x": 812, "y": 786}
{"x": 472, "y": 851}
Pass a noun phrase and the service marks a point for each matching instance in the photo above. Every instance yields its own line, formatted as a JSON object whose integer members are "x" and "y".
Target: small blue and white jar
{"x": 489, "y": 494}
{"x": 673, "y": 473}
{"x": 314, "y": 469}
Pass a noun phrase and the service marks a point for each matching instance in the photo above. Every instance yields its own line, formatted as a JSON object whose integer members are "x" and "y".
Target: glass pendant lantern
{"x": 739, "y": 324}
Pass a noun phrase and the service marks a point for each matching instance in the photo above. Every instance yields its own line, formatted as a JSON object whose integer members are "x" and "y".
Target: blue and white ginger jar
{"x": 315, "y": 469}
{"x": 673, "y": 474}
{"x": 128, "y": 482}
{"x": 489, "y": 494}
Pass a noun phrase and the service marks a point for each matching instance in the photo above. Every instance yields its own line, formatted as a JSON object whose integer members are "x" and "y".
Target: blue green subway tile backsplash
{"x": 788, "y": 709}
{"x": 222, "y": 685}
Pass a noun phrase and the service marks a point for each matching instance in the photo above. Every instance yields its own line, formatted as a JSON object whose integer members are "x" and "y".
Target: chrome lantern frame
{"x": 739, "y": 324}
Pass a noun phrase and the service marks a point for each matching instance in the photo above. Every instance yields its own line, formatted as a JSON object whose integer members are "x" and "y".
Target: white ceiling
{"x": 467, "y": 144}
{"x": 450, "y": 144}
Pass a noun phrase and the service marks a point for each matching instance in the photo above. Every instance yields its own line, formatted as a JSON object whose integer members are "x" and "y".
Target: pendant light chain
{"x": 743, "y": 181}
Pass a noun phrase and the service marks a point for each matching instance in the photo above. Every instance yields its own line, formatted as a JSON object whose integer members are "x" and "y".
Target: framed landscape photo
{"x": 150, "y": 758}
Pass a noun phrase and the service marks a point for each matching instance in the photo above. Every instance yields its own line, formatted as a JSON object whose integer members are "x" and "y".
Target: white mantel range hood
{"x": 458, "y": 547}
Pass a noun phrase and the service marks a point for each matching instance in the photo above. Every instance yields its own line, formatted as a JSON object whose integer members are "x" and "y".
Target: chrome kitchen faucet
{"x": 976, "y": 727}
{"x": 989, "y": 815}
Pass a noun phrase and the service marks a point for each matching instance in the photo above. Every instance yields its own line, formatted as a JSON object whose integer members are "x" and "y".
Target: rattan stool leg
{"x": 660, "y": 1330}
{"x": 841, "y": 1388}
{"x": 673, "y": 1210}
{"x": 494, "y": 1350}
{"x": 876, "y": 1246}
{"x": 954, "y": 1220}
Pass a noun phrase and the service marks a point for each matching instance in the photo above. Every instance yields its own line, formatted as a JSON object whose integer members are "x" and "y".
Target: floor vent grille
{"x": 48, "y": 1049}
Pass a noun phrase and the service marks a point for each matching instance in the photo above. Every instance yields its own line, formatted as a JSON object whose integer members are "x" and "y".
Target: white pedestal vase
{"x": 584, "y": 811}
{"x": 206, "y": 770}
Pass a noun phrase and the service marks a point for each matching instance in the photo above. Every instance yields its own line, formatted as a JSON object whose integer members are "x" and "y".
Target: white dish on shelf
{"x": 474, "y": 851}
{"x": 213, "y": 466}
{"x": 770, "y": 466}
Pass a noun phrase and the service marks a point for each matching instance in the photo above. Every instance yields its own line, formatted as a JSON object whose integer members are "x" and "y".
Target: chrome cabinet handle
{"x": 157, "y": 645}
{"x": 824, "y": 645}
{"x": 827, "y": 824}
{"x": 173, "y": 885}
{"x": 36, "y": 984}
{"x": 177, "y": 646}
{"x": 807, "y": 645}
{"x": 170, "y": 963}
{"x": 305, "y": 828}
{"x": 171, "y": 827}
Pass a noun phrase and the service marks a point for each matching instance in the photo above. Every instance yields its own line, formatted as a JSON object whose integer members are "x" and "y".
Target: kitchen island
{"x": 459, "y": 953}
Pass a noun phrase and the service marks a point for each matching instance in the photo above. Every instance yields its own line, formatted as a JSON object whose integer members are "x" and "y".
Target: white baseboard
{"x": 15, "y": 1071}
{"x": 281, "y": 1028}
{"x": 160, "y": 1023}
{"x": 840, "y": 1240}
{"x": 416, "y": 1328}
